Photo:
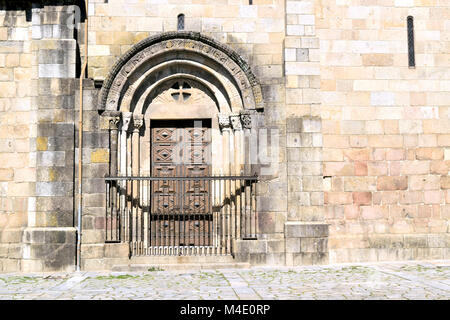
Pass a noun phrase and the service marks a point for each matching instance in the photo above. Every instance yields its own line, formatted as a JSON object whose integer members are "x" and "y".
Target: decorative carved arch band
{"x": 133, "y": 66}
{"x": 188, "y": 69}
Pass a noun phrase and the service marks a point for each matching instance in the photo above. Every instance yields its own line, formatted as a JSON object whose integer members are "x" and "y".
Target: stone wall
{"x": 361, "y": 171}
{"x": 385, "y": 129}
{"x": 36, "y": 218}
{"x": 304, "y": 130}
{"x": 255, "y": 31}
{"x": 17, "y": 135}
{"x": 95, "y": 254}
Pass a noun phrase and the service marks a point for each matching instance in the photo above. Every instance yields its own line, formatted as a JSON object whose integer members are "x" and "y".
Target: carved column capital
{"x": 236, "y": 122}
{"x": 246, "y": 119}
{"x": 138, "y": 121}
{"x": 224, "y": 122}
{"x": 126, "y": 119}
{"x": 114, "y": 119}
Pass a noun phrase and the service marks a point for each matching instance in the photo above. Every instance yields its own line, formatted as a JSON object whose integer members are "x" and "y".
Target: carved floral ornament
{"x": 239, "y": 121}
{"x": 125, "y": 119}
{"x": 115, "y": 84}
{"x": 246, "y": 118}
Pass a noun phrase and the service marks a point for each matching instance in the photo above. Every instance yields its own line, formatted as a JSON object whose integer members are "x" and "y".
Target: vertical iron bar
{"x": 212, "y": 225}
{"x": 130, "y": 217}
{"x": 205, "y": 203}
{"x": 117, "y": 212}
{"x": 245, "y": 209}
{"x": 220, "y": 214}
{"x": 179, "y": 231}
{"x": 197, "y": 216}
{"x": 142, "y": 210}
{"x": 242, "y": 190}
{"x": 235, "y": 209}
{"x": 106, "y": 209}
{"x": 255, "y": 213}
{"x": 230, "y": 217}
{"x": 159, "y": 210}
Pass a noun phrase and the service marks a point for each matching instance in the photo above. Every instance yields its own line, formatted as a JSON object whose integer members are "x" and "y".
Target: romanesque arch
{"x": 180, "y": 93}
{"x": 224, "y": 89}
{"x": 183, "y": 47}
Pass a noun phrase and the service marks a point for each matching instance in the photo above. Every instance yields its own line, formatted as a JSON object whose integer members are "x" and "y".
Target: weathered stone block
{"x": 250, "y": 246}
{"x": 292, "y": 245}
{"x": 92, "y": 251}
{"x": 117, "y": 250}
{"x": 313, "y": 245}
{"x": 392, "y": 183}
{"x": 309, "y": 230}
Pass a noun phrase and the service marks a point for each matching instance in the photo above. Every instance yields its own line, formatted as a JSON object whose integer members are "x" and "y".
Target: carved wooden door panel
{"x": 181, "y": 208}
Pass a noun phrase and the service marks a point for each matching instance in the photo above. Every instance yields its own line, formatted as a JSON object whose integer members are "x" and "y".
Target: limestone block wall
{"x": 304, "y": 135}
{"x": 17, "y": 135}
{"x": 95, "y": 254}
{"x": 385, "y": 129}
{"x": 359, "y": 170}
{"x": 254, "y": 31}
{"x": 37, "y": 147}
{"x": 55, "y": 67}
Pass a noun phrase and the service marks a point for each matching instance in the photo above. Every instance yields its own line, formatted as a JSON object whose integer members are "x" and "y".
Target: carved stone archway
{"x": 143, "y": 73}
{"x": 184, "y": 77}
{"x": 184, "y": 47}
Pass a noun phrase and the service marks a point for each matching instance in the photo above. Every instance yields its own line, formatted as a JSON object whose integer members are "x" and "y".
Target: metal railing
{"x": 181, "y": 215}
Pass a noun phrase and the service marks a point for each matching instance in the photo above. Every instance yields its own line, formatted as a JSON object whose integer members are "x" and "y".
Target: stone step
{"x": 152, "y": 263}
{"x": 173, "y": 266}
{"x": 200, "y": 259}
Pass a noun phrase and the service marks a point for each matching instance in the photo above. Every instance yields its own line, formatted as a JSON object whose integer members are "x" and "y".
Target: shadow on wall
{"x": 28, "y": 5}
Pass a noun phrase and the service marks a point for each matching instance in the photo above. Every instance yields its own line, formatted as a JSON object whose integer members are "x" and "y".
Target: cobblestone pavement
{"x": 404, "y": 280}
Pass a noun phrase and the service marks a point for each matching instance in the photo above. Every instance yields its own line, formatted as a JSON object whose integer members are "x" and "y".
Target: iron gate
{"x": 180, "y": 215}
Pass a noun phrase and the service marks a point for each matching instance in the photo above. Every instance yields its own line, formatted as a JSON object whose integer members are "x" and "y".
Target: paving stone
{"x": 365, "y": 281}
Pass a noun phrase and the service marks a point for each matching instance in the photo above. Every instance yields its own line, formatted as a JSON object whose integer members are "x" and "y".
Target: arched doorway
{"x": 180, "y": 182}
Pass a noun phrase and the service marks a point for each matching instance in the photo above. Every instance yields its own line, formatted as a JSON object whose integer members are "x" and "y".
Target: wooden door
{"x": 181, "y": 209}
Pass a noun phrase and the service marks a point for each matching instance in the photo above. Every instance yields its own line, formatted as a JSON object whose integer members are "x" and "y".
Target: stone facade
{"x": 385, "y": 129}
{"x": 358, "y": 142}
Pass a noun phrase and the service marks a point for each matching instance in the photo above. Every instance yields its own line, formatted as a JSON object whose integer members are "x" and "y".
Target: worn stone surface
{"x": 398, "y": 281}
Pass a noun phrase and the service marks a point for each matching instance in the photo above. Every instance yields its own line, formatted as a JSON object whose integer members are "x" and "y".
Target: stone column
{"x": 238, "y": 152}
{"x": 114, "y": 120}
{"x": 138, "y": 121}
{"x": 225, "y": 127}
{"x": 224, "y": 219}
{"x": 126, "y": 119}
{"x": 237, "y": 185}
{"x": 123, "y": 156}
{"x": 246, "y": 120}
